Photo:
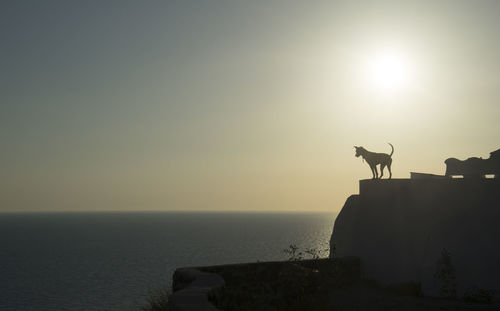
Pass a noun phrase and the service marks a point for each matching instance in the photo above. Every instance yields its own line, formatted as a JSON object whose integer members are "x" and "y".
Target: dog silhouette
{"x": 373, "y": 159}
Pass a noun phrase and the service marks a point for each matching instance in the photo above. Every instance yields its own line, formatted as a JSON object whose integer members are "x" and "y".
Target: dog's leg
{"x": 382, "y": 166}
{"x": 373, "y": 171}
{"x": 389, "y": 168}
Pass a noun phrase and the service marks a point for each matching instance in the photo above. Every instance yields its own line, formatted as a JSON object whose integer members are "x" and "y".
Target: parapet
{"x": 445, "y": 190}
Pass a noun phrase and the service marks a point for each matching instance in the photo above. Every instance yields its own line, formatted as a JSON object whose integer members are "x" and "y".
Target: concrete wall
{"x": 398, "y": 228}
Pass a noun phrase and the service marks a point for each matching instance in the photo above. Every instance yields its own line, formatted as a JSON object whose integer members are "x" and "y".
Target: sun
{"x": 389, "y": 71}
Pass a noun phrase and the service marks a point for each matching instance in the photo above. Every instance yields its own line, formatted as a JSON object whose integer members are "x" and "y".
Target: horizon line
{"x": 165, "y": 211}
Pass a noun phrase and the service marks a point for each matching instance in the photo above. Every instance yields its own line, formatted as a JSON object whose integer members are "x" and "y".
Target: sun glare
{"x": 389, "y": 71}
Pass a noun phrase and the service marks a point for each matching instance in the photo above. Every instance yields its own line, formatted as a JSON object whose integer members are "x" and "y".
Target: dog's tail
{"x": 392, "y": 147}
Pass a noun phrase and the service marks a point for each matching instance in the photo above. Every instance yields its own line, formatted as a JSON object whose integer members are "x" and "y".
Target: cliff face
{"x": 399, "y": 227}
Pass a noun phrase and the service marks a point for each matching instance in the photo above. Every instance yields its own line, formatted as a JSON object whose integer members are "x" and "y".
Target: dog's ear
{"x": 355, "y": 147}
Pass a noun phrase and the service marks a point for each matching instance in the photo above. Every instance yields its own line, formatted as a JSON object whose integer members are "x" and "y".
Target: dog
{"x": 373, "y": 159}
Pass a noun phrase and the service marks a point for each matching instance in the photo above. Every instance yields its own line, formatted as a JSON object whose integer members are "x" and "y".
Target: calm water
{"x": 110, "y": 261}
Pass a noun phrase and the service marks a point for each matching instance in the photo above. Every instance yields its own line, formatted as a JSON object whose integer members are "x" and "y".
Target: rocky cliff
{"x": 399, "y": 227}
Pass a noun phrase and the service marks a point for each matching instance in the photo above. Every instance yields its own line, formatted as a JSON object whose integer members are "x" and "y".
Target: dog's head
{"x": 359, "y": 151}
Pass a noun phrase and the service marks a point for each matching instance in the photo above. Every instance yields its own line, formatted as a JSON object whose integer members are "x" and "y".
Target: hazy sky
{"x": 235, "y": 105}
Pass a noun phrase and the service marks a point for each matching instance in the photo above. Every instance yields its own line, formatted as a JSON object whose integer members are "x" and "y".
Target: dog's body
{"x": 373, "y": 159}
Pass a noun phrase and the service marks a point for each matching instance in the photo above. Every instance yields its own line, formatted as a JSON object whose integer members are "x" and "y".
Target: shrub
{"x": 479, "y": 295}
{"x": 445, "y": 273}
{"x": 294, "y": 253}
{"x": 157, "y": 300}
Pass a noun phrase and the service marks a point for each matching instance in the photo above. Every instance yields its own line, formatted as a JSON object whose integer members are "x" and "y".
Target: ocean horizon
{"x": 113, "y": 260}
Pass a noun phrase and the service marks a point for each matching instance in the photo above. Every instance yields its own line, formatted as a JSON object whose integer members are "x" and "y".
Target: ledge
{"x": 422, "y": 186}
{"x": 191, "y": 289}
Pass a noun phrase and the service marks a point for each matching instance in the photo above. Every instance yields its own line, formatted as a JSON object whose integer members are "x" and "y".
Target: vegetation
{"x": 295, "y": 254}
{"x": 445, "y": 274}
{"x": 157, "y": 300}
{"x": 288, "y": 285}
{"x": 479, "y": 295}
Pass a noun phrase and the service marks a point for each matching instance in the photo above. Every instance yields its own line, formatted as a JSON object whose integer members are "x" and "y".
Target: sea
{"x": 114, "y": 261}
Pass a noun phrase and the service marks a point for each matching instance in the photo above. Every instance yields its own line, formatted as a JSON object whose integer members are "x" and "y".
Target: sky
{"x": 236, "y": 105}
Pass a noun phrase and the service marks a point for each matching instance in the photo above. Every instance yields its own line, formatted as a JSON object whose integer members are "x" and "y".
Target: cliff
{"x": 399, "y": 227}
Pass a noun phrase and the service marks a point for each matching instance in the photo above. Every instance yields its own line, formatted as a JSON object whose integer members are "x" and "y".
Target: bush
{"x": 294, "y": 253}
{"x": 158, "y": 300}
{"x": 445, "y": 273}
{"x": 479, "y": 295}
